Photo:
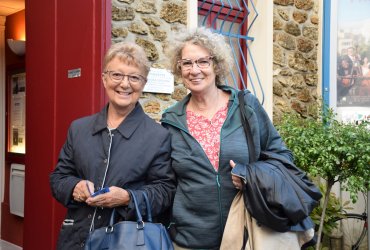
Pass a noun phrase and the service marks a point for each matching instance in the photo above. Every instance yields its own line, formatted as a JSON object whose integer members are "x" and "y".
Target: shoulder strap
{"x": 247, "y": 128}
{"x": 148, "y": 207}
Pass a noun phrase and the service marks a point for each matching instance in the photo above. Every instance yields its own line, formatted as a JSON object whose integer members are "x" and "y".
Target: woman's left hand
{"x": 237, "y": 181}
{"x": 114, "y": 198}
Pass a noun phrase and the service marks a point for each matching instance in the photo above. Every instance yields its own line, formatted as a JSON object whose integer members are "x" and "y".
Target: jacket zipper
{"x": 105, "y": 175}
{"x": 218, "y": 185}
{"x": 219, "y": 201}
{"x": 218, "y": 175}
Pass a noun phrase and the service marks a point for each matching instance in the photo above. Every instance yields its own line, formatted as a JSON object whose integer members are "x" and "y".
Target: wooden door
{"x": 65, "y": 44}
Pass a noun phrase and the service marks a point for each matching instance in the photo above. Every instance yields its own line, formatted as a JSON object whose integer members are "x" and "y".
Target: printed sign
{"x": 159, "y": 81}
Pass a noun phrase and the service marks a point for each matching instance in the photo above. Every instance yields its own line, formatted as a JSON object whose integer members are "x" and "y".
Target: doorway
{"x": 12, "y": 25}
{"x": 7, "y": 8}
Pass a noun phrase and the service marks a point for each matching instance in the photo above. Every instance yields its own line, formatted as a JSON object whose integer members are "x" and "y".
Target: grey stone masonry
{"x": 149, "y": 23}
{"x": 295, "y": 79}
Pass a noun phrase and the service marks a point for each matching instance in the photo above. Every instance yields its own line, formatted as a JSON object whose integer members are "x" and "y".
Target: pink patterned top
{"x": 207, "y": 132}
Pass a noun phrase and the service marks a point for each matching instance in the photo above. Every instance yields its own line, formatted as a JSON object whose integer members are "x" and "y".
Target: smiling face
{"x": 197, "y": 79}
{"x": 123, "y": 95}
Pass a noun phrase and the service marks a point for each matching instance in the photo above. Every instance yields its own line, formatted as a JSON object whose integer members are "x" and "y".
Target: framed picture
{"x": 17, "y": 113}
{"x": 346, "y": 56}
{"x": 346, "y": 61}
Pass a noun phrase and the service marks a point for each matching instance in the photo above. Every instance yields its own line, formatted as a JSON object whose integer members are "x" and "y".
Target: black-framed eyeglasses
{"x": 187, "y": 64}
{"x": 117, "y": 77}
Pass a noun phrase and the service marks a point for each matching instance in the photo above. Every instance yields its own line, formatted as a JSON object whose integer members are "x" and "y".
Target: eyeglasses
{"x": 202, "y": 63}
{"x": 118, "y": 77}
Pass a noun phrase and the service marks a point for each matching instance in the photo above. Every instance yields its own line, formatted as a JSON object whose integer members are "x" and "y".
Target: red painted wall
{"x": 61, "y": 35}
{"x": 12, "y": 225}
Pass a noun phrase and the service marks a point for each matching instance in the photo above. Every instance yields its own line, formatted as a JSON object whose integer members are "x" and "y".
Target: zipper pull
{"x": 218, "y": 181}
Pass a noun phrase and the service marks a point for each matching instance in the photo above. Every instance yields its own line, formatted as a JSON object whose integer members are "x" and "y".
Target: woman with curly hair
{"x": 207, "y": 137}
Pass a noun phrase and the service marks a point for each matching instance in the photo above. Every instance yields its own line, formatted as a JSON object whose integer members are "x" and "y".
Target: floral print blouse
{"x": 207, "y": 132}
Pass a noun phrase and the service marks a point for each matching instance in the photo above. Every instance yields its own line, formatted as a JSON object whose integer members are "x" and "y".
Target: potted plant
{"x": 330, "y": 149}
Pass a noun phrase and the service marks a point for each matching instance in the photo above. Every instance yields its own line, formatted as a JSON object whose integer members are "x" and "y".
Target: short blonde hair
{"x": 216, "y": 45}
{"x": 129, "y": 53}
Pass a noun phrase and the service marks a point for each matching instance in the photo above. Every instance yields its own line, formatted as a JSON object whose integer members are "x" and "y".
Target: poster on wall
{"x": 353, "y": 53}
{"x": 17, "y": 128}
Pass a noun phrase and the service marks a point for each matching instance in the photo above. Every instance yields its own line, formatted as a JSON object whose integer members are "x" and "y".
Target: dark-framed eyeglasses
{"x": 202, "y": 63}
{"x": 117, "y": 77}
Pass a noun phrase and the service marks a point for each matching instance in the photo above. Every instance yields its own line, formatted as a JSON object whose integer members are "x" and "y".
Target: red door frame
{"x": 61, "y": 35}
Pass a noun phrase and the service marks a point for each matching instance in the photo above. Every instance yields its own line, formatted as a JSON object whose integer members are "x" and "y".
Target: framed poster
{"x": 346, "y": 51}
{"x": 17, "y": 113}
{"x": 346, "y": 56}
{"x": 353, "y": 54}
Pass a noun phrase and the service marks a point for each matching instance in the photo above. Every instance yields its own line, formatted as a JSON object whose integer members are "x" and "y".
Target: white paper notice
{"x": 159, "y": 81}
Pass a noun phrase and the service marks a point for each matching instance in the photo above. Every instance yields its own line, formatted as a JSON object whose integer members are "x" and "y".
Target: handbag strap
{"x": 139, "y": 217}
{"x": 247, "y": 128}
{"x": 251, "y": 148}
{"x": 148, "y": 207}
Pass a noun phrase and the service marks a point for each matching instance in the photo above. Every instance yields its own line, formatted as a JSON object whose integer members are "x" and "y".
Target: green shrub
{"x": 331, "y": 150}
{"x": 325, "y": 147}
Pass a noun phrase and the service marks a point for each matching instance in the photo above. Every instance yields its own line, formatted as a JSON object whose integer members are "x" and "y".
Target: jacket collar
{"x": 127, "y": 127}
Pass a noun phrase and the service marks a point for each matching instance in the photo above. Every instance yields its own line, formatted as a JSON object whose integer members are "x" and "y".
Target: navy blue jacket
{"x": 139, "y": 160}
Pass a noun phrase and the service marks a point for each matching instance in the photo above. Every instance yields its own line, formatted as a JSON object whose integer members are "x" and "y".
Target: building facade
{"x": 73, "y": 35}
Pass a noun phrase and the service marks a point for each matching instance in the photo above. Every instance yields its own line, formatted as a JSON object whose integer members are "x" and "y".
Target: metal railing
{"x": 234, "y": 19}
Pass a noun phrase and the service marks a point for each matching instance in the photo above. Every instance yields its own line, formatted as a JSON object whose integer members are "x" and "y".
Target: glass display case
{"x": 17, "y": 113}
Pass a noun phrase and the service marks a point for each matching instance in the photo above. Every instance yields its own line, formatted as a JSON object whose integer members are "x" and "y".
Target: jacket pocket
{"x": 67, "y": 235}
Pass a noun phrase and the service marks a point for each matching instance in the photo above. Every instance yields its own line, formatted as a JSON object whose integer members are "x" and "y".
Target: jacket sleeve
{"x": 64, "y": 177}
{"x": 270, "y": 195}
{"x": 160, "y": 185}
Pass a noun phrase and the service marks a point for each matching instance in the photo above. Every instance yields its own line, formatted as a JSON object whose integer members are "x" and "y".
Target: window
{"x": 233, "y": 19}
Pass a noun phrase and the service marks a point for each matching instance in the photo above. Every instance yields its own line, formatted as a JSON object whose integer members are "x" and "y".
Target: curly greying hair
{"x": 129, "y": 53}
{"x": 213, "y": 42}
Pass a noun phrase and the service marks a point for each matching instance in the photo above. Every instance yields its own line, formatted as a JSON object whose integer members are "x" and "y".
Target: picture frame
{"x": 17, "y": 112}
{"x": 346, "y": 45}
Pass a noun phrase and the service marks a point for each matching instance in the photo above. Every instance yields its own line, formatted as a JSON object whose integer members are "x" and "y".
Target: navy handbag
{"x": 130, "y": 235}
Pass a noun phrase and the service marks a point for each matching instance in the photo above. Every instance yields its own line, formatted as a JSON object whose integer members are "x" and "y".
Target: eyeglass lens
{"x": 118, "y": 77}
{"x": 203, "y": 62}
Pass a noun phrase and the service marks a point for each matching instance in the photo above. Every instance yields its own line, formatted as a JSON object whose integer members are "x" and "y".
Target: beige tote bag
{"x": 259, "y": 237}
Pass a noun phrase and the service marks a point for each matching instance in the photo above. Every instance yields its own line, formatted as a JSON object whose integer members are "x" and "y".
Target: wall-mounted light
{"x": 17, "y": 46}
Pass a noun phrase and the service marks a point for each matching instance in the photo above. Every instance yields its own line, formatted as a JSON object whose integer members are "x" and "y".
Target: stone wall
{"x": 150, "y": 23}
{"x": 295, "y": 49}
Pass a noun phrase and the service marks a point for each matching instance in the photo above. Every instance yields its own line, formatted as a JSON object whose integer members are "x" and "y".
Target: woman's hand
{"x": 114, "y": 198}
{"x": 237, "y": 181}
{"x": 82, "y": 190}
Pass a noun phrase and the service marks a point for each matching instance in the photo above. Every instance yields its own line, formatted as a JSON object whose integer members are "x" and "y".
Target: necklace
{"x": 209, "y": 109}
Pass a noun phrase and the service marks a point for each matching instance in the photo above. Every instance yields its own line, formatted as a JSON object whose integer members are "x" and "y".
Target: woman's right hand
{"x": 83, "y": 190}
{"x": 114, "y": 198}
